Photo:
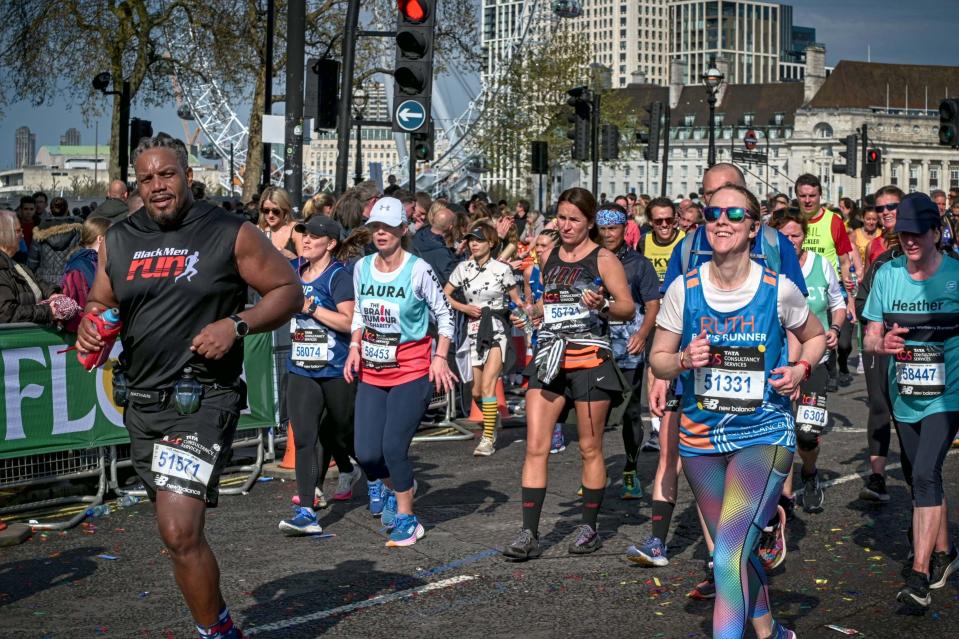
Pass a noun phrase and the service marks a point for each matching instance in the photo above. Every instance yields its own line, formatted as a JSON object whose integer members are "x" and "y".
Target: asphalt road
{"x": 843, "y": 566}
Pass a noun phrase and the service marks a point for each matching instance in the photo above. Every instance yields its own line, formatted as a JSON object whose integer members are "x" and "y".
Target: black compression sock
{"x": 592, "y": 500}
{"x": 533, "y": 499}
{"x": 662, "y": 516}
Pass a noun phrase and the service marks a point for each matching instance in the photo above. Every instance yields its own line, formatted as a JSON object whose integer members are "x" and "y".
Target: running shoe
{"x": 772, "y": 542}
{"x": 558, "y": 443}
{"x": 375, "y": 489}
{"x": 344, "y": 485}
{"x": 812, "y": 494}
{"x": 388, "y": 516}
{"x": 631, "y": 486}
{"x": 844, "y": 379}
{"x": 587, "y": 540}
{"x": 524, "y": 547}
{"x": 941, "y": 566}
{"x": 782, "y": 632}
{"x": 484, "y": 448}
{"x": 651, "y": 445}
{"x": 407, "y": 530}
{"x": 319, "y": 499}
{"x": 875, "y": 489}
{"x": 832, "y": 384}
{"x": 651, "y": 553}
{"x": 915, "y": 592}
{"x": 705, "y": 589}
{"x": 303, "y": 522}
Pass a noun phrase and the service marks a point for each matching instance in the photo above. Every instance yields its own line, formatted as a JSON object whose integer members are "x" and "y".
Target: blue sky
{"x": 913, "y": 32}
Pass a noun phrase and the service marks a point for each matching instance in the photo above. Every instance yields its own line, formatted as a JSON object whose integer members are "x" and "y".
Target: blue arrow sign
{"x": 410, "y": 115}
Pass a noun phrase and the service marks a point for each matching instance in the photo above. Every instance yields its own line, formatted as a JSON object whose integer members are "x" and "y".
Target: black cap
{"x": 476, "y": 234}
{"x": 917, "y": 214}
{"x": 321, "y": 226}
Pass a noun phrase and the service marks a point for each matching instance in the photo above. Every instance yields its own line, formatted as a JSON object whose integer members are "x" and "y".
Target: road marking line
{"x": 863, "y": 474}
{"x": 359, "y": 605}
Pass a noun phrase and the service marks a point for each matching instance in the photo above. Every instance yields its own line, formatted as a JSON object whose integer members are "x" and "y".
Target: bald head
{"x": 117, "y": 190}
{"x": 720, "y": 175}
{"x": 443, "y": 221}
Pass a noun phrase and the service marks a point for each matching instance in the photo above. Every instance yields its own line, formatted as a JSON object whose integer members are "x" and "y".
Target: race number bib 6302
{"x": 921, "y": 370}
{"x": 811, "y": 413}
{"x": 734, "y": 381}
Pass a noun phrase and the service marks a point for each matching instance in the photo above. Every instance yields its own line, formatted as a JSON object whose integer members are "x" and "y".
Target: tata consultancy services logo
{"x": 165, "y": 262}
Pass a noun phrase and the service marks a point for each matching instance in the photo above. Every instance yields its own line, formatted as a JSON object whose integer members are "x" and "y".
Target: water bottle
{"x": 98, "y": 511}
{"x": 855, "y": 280}
{"x": 595, "y": 285}
{"x": 108, "y": 326}
{"x": 187, "y": 393}
{"x": 521, "y": 314}
{"x": 125, "y": 501}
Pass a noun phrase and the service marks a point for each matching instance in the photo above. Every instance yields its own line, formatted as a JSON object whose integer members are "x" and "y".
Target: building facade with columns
{"x": 801, "y": 126}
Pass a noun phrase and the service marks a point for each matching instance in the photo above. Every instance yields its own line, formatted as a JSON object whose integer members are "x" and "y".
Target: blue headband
{"x": 610, "y": 217}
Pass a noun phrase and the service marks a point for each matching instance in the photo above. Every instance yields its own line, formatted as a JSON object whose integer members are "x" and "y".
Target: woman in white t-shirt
{"x": 723, "y": 328}
{"x": 484, "y": 284}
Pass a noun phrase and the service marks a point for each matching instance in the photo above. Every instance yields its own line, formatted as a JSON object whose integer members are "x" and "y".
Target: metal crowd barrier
{"x": 447, "y": 401}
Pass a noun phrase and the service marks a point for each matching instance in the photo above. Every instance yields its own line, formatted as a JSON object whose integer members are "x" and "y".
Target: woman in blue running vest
{"x": 319, "y": 401}
{"x": 722, "y": 327}
{"x": 913, "y": 313}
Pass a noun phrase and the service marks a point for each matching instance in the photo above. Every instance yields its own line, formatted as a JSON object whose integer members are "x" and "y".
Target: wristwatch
{"x": 241, "y": 328}
{"x": 312, "y": 307}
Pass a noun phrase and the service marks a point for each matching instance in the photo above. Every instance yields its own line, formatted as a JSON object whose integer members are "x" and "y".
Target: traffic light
{"x": 413, "y": 71}
{"x": 949, "y": 122}
{"x": 851, "y": 166}
{"x": 651, "y": 137}
{"x": 609, "y": 142}
{"x": 139, "y": 129}
{"x": 580, "y": 119}
{"x": 322, "y": 93}
{"x": 873, "y": 167}
{"x": 423, "y": 143}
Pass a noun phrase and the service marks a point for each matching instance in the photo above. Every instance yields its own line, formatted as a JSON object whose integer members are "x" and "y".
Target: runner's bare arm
{"x": 621, "y": 307}
{"x": 269, "y": 274}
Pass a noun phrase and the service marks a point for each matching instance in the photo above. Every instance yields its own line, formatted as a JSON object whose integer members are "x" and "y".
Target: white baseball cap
{"x": 388, "y": 211}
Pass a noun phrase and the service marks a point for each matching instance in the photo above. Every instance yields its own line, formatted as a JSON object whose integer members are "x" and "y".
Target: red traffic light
{"x": 414, "y": 11}
{"x": 872, "y": 155}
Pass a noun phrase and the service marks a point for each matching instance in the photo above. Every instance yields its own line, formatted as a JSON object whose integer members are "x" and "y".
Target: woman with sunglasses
{"x": 912, "y": 310}
{"x": 573, "y": 362}
{"x": 723, "y": 327}
{"x": 276, "y": 220}
{"x": 887, "y": 203}
{"x": 485, "y": 283}
{"x": 391, "y": 353}
{"x": 827, "y": 305}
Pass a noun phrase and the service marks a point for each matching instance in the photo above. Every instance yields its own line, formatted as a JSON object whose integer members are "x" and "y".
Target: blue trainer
{"x": 375, "y": 490}
{"x": 388, "y": 514}
{"x": 651, "y": 553}
{"x": 407, "y": 530}
{"x": 304, "y": 522}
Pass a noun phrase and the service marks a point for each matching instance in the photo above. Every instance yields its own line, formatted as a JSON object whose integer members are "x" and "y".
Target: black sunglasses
{"x": 887, "y": 207}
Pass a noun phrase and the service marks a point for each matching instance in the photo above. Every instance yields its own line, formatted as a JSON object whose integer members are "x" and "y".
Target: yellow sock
{"x": 489, "y": 417}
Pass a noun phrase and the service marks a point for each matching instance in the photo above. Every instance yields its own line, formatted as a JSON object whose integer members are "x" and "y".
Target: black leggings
{"x": 844, "y": 347}
{"x": 925, "y": 443}
{"x": 321, "y": 411}
{"x": 633, "y": 417}
{"x": 878, "y": 424}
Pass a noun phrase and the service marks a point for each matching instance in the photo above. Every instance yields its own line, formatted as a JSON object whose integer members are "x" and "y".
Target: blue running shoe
{"x": 375, "y": 490}
{"x": 304, "y": 522}
{"x": 388, "y": 514}
{"x": 407, "y": 530}
{"x": 557, "y": 443}
{"x": 650, "y": 553}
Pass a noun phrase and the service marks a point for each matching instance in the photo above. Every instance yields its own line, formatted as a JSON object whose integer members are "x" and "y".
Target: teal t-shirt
{"x": 923, "y": 377}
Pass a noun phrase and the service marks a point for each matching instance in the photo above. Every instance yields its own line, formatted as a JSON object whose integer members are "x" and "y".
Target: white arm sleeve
{"x": 427, "y": 288}
{"x": 833, "y": 292}
{"x": 357, "y": 312}
{"x": 793, "y": 309}
{"x": 670, "y": 316}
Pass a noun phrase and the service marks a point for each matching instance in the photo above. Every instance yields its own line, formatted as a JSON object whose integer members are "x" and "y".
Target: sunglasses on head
{"x": 733, "y": 213}
{"x": 887, "y": 207}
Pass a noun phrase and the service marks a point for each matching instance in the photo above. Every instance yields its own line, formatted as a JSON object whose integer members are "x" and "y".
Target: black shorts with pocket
{"x": 185, "y": 454}
{"x": 596, "y": 384}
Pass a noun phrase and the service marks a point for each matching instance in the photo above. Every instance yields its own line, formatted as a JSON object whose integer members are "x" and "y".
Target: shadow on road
{"x": 23, "y": 579}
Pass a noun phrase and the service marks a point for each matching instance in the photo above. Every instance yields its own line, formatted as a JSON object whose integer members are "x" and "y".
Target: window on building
{"x": 822, "y": 131}
{"x": 894, "y": 175}
{"x": 718, "y": 119}
{"x": 778, "y": 118}
{"x": 933, "y": 177}
{"x": 654, "y": 171}
{"x": 748, "y": 118}
{"x": 689, "y": 119}
{"x": 953, "y": 178}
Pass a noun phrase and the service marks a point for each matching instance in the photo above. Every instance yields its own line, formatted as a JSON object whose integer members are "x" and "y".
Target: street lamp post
{"x": 101, "y": 82}
{"x": 359, "y": 104}
{"x": 712, "y": 79}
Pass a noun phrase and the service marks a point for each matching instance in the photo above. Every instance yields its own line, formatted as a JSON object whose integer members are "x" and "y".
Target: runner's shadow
{"x": 22, "y": 579}
{"x": 461, "y": 501}
{"x": 327, "y": 596}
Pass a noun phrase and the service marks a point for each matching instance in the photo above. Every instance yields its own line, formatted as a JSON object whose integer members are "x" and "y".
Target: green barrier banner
{"x": 51, "y": 403}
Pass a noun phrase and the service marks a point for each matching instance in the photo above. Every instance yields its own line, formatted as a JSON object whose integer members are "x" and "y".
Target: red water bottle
{"x": 108, "y": 326}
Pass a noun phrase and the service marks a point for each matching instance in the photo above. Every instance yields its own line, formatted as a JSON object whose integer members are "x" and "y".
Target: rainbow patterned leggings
{"x": 737, "y": 494}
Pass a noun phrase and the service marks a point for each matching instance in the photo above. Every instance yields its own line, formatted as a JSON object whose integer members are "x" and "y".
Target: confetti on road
{"x": 107, "y": 556}
{"x": 852, "y": 632}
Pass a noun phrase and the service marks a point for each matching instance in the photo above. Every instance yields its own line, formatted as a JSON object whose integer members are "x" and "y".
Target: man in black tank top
{"x": 178, "y": 271}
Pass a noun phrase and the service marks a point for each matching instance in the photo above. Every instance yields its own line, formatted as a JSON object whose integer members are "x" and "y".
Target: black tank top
{"x": 171, "y": 282}
{"x": 563, "y": 286}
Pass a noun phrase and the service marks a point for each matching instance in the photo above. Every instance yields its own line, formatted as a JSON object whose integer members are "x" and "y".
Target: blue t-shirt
{"x": 924, "y": 375}
{"x": 789, "y": 263}
{"x": 320, "y": 350}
